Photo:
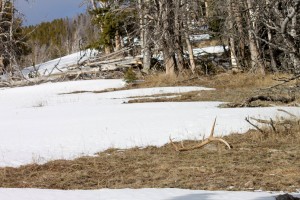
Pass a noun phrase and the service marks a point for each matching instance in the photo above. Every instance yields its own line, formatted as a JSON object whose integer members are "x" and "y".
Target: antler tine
{"x": 182, "y": 145}
{"x": 213, "y": 128}
{"x": 173, "y": 144}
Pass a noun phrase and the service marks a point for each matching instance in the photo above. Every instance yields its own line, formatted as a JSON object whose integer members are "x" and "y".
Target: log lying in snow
{"x": 286, "y": 197}
{"x": 111, "y": 65}
{"x": 269, "y": 98}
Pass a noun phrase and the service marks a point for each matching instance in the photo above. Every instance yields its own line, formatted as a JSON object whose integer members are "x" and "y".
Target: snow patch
{"x": 130, "y": 194}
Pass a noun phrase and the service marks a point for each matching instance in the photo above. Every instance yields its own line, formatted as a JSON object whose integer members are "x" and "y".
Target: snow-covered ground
{"x": 39, "y": 123}
{"x": 195, "y": 38}
{"x": 131, "y": 194}
{"x": 208, "y": 50}
{"x": 60, "y": 64}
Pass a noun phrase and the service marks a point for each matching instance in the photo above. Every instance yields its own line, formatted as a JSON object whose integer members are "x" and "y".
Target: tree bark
{"x": 169, "y": 61}
{"x": 256, "y": 64}
{"x": 289, "y": 39}
{"x": 117, "y": 41}
{"x": 236, "y": 13}
{"x": 233, "y": 56}
{"x": 178, "y": 42}
{"x": 168, "y": 33}
{"x": 270, "y": 39}
{"x": 145, "y": 35}
{"x": 187, "y": 40}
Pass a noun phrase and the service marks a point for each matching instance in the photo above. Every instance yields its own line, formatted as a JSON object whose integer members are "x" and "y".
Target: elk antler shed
{"x": 211, "y": 138}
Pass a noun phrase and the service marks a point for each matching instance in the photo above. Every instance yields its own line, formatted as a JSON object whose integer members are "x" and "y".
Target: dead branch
{"x": 269, "y": 98}
{"x": 260, "y": 120}
{"x": 110, "y": 56}
{"x": 292, "y": 115}
{"x": 255, "y": 126}
{"x": 283, "y": 81}
{"x": 211, "y": 138}
{"x": 270, "y": 123}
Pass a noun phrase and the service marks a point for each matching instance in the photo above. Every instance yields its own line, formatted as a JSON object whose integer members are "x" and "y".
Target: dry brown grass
{"x": 269, "y": 161}
{"x": 208, "y": 43}
{"x": 229, "y": 88}
{"x": 232, "y": 88}
{"x": 220, "y": 81}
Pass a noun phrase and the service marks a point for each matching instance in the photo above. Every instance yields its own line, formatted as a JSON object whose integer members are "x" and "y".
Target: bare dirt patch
{"x": 269, "y": 161}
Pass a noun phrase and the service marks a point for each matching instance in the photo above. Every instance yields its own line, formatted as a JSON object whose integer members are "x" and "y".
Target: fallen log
{"x": 269, "y": 98}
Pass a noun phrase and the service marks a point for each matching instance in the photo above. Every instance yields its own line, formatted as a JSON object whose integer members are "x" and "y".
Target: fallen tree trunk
{"x": 269, "y": 98}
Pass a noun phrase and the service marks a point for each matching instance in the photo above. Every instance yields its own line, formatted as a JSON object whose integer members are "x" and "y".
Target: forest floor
{"x": 267, "y": 158}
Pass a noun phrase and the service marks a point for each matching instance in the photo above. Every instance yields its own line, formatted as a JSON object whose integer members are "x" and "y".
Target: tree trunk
{"x": 208, "y": 8}
{"x": 255, "y": 62}
{"x": 295, "y": 58}
{"x": 233, "y": 57}
{"x": 187, "y": 40}
{"x": 270, "y": 39}
{"x": 169, "y": 61}
{"x": 168, "y": 35}
{"x": 107, "y": 50}
{"x": 177, "y": 31}
{"x": 191, "y": 53}
{"x": 236, "y": 14}
{"x": 290, "y": 39}
{"x": 117, "y": 41}
{"x": 144, "y": 34}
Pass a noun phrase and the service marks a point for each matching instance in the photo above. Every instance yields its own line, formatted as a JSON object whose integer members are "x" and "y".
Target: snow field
{"x": 131, "y": 194}
{"x": 39, "y": 123}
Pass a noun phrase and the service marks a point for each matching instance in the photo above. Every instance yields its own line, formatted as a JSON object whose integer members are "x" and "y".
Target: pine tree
{"x": 12, "y": 40}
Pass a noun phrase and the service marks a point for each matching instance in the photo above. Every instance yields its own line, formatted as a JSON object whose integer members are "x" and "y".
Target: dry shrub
{"x": 283, "y": 130}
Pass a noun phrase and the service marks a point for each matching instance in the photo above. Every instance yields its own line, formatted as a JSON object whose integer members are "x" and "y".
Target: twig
{"x": 281, "y": 110}
{"x": 255, "y": 126}
{"x": 272, "y": 125}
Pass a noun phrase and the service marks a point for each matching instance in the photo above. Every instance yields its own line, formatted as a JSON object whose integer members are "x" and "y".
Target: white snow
{"x": 60, "y": 64}
{"x": 132, "y": 194}
{"x": 200, "y": 37}
{"x": 39, "y": 123}
{"x": 208, "y": 50}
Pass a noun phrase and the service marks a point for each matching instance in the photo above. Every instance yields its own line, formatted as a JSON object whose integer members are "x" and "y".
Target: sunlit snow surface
{"x": 60, "y": 64}
{"x": 131, "y": 194}
{"x": 39, "y": 123}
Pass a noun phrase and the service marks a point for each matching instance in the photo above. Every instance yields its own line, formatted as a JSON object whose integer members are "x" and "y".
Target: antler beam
{"x": 211, "y": 138}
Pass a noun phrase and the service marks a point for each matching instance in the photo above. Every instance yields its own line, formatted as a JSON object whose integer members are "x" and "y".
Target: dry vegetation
{"x": 268, "y": 161}
{"x": 233, "y": 88}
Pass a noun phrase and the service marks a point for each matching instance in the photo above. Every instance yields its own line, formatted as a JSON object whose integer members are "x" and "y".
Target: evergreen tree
{"x": 12, "y": 40}
{"x": 116, "y": 20}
